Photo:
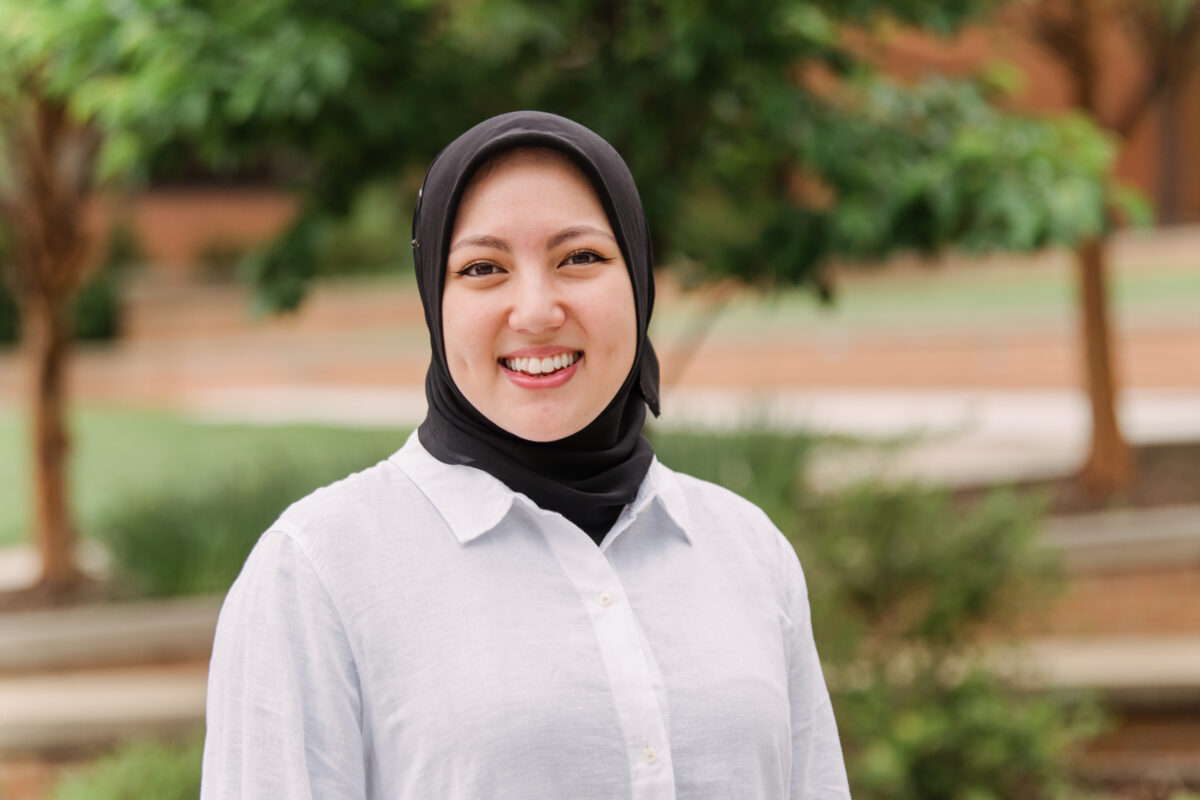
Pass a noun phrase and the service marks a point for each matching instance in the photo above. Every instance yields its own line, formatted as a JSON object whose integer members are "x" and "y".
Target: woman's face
{"x": 538, "y": 315}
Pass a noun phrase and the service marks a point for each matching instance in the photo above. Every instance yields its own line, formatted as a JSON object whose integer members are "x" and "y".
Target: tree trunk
{"x": 48, "y": 341}
{"x": 51, "y": 159}
{"x": 1169, "y": 156}
{"x": 1109, "y": 467}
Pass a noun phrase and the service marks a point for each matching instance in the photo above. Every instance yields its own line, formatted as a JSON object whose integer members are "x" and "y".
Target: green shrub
{"x": 10, "y": 319}
{"x": 148, "y": 769}
{"x": 364, "y": 242}
{"x": 906, "y": 591}
{"x": 191, "y": 537}
{"x": 971, "y": 737}
{"x": 766, "y": 467}
{"x": 903, "y": 566}
{"x": 97, "y": 308}
{"x": 96, "y": 311}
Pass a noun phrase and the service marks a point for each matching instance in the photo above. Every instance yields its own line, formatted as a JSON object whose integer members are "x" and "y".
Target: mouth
{"x": 544, "y": 367}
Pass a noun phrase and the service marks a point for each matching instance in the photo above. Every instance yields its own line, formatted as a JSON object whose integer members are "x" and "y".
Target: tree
{"x": 1165, "y": 36}
{"x": 87, "y": 90}
{"x": 764, "y": 143}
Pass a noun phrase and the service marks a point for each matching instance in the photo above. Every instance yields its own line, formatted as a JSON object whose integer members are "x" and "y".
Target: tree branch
{"x": 1172, "y": 55}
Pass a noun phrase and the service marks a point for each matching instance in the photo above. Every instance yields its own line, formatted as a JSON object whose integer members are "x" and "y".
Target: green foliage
{"x": 905, "y": 587}
{"x": 163, "y": 452}
{"x": 191, "y": 537}
{"x": 903, "y": 566}
{"x": 366, "y": 240}
{"x": 359, "y": 239}
{"x": 10, "y": 317}
{"x": 751, "y": 168}
{"x": 145, "y": 769}
{"x": 96, "y": 311}
{"x": 766, "y": 467}
{"x": 145, "y": 73}
{"x": 97, "y": 308}
{"x": 714, "y": 105}
{"x": 968, "y": 738}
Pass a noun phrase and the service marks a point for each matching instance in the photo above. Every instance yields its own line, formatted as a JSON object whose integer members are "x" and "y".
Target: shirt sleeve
{"x": 284, "y": 710}
{"x": 818, "y": 769}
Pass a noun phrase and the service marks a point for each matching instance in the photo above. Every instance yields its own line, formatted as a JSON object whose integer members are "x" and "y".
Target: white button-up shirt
{"x": 419, "y": 630}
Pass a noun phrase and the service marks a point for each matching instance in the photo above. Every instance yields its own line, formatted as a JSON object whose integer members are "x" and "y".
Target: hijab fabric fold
{"x": 590, "y": 476}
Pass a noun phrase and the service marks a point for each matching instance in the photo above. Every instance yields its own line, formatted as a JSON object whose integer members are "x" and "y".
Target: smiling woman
{"x": 538, "y": 315}
{"x": 522, "y": 601}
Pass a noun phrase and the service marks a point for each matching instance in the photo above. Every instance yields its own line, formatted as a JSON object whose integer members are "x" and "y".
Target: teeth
{"x": 541, "y": 366}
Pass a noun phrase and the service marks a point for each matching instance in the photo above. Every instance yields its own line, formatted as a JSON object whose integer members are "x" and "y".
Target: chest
{"x": 576, "y": 666}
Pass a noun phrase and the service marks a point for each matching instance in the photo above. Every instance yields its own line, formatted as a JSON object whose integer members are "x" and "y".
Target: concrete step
{"x": 1136, "y": 672}
{"x": 1127, "y": 540}
{"x": 68, "y": 713}
{"x": 118, "y": 634}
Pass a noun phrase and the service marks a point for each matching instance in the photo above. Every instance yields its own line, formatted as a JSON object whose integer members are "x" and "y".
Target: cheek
{"x": 464, "y": 333}
{"x": 618, "y": 319}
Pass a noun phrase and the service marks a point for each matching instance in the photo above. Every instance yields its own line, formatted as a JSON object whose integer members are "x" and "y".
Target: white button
{"x": 604, "y": 599}
{"x": 649, "y": 756}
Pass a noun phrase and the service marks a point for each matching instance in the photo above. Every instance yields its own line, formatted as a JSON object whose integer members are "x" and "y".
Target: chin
{"x": 540, "y": 430}
{"x": 542, "y": 434}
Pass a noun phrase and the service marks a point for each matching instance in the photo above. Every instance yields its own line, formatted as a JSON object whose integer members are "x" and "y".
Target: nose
{"x": 536, "y": 304}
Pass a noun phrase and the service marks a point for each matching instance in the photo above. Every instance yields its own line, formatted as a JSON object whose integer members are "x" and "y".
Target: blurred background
{"x": 928, "y": 292}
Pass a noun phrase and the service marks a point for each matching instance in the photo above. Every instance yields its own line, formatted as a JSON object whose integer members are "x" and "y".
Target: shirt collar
{"x": 662, "y": 487}
{"x": 447, "y": 484}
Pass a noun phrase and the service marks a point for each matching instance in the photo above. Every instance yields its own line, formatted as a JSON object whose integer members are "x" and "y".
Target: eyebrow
{"x": 494, "y": 242}
{"x": 566, "y": 234}
{"x": 576, "y": 231}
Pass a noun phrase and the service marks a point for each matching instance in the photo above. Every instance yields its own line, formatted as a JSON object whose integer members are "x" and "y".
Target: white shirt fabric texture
{"x": 419, "y": 630}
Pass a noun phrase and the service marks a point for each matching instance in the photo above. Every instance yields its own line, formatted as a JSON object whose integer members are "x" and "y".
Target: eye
{"x": 479, "y": 269}
{"x": 583, "y": 257}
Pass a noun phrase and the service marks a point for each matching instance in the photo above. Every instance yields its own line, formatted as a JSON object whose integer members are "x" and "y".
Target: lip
{"x": 551, "y": 381}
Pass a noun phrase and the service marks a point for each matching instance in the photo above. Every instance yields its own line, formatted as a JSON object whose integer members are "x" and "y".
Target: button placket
{"x": 625, "y": 659}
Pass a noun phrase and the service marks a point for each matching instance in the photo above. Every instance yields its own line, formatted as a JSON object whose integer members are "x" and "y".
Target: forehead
{"x": 538, "y": 157}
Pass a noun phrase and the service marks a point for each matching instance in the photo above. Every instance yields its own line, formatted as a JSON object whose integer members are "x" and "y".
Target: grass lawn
{"x": 119, "y": 454}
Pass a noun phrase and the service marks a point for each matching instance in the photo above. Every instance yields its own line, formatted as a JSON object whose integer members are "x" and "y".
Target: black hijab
{"x": 587, "y": 477}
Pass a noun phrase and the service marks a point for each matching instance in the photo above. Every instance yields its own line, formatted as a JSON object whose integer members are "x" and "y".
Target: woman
{"x": 522, "y": 602}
